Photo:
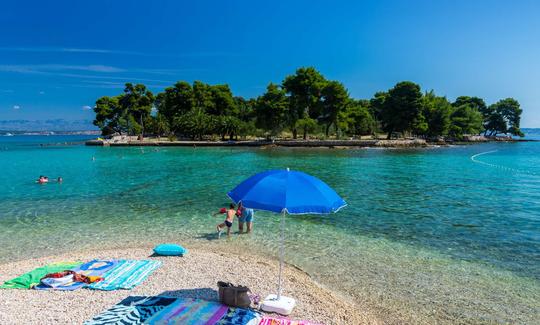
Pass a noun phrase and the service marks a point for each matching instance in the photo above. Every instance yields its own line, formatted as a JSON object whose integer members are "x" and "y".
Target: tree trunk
{"x": 142, "y": 127}
{"x": 305, "y": 133}
{"x": 294, "y": 133}
{"x": 327, "y": 131}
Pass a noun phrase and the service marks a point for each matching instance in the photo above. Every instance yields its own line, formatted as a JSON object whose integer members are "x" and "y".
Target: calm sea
{"x": 430, "y": 235}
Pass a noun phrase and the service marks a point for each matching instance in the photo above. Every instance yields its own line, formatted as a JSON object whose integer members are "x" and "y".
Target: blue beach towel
{"x": 127, "y": 274}
{"x": 167, "y": 310}
{"x": 92, "y": 268}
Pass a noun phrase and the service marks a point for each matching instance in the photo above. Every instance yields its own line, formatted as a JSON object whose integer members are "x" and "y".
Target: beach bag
{"x": 234, "y": 296}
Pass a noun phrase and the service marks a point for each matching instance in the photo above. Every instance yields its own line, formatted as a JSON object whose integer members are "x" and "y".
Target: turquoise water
{"x": 430, "y": 235}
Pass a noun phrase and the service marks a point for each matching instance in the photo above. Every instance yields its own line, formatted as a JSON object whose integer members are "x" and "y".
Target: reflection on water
{"x": 429, "y": 235}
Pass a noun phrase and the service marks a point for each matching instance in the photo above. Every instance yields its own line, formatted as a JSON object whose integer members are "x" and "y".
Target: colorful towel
{"x": 266, "y": 320}
{"x": 239, "y": 316}
{"x": 92, "y": 268}
{"x": 168, "y": 310}
{"x": 32, "y": 278}
{"x": 189, "y": 311}
{"x": 127, "y": 274}
{"x": 132, "y": 310}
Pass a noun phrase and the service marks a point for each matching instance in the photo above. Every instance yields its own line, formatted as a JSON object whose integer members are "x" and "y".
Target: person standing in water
{"x": 246, "y": 216}
{"x": 229, "y": 218}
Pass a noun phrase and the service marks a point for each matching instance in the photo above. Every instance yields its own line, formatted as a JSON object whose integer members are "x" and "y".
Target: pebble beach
{"x": 192, "y": 276}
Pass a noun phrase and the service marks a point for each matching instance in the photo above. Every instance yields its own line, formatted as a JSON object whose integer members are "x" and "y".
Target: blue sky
{"x": 57, "y": 58}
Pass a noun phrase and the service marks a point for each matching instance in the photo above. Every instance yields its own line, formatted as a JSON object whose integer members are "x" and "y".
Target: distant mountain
{"x": 59, "y": 125}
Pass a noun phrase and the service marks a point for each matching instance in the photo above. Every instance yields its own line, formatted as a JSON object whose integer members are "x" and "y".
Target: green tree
{"x": 202, "y": 97}
{"x": 478, "y": 104}
{"x": 356, "y": 119}
{"x": 175, "y": 101}
{"x": 270, "y": 110}
{"x": 509, "y": 111}
{"x": 335, "y": 99}
{"x": 307, "y": 125}
{"x": 376, "y": 107}
{"x": 436, "y": 111}
{"x": 304, "y": 89}
{"x": 495, "y": 124}
{"x": 245, "y": 108}
{"x": 157, "y": 125}
{"x": 227, "y": 125}
{"x": 136, "y": 103}
{"x": 222, "y": 101}
{"x": 109, "y": 116}
{"x": 465, "y": 120}
{"x": 402, "y": 108}
{"x": 195, "y": 124}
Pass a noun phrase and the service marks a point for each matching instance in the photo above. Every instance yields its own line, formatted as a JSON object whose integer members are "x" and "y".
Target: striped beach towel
{"x": 168, "y": 310}
{"x": 92, "y": 268}
{"x": 189, "y": 312}
{"x": 266, "y": 320}
{"x": 127, "y": 274}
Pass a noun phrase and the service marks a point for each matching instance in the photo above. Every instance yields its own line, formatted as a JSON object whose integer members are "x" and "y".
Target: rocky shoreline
{"x": 262, "y": 143}
{"x": 356, "y": 143}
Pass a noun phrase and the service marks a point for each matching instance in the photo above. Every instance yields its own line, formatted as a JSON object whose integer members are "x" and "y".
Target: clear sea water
{"x": 436, "y": 235}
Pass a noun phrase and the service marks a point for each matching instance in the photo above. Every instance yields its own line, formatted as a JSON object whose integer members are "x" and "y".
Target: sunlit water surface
{"x": 429, "y": 235}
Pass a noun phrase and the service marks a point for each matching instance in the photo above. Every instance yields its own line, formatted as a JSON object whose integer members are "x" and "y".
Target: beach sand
{"x": 194, "y": 275}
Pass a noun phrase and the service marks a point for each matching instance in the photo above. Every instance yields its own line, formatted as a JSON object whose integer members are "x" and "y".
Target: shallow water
{"x": 429, "y": 235}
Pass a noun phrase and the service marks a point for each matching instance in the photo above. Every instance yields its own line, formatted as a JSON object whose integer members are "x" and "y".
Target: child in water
{"x": 229, "y": 218}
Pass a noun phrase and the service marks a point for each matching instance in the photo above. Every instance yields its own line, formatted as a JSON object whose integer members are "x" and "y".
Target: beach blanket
{"x": 32, "y": 278}
{"x": 267, "y": 320}
{"x": 132, "y": 310}
{"x": 126, "y": 274}
{"x": 92, "y": 268}
{"x": 169, "y": 310}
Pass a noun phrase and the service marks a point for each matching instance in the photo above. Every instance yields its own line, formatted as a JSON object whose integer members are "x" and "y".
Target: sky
{"x": 58, "y": 57}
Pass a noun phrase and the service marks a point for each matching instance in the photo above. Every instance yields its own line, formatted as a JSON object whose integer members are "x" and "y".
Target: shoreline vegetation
{"x": 304, "y": 105}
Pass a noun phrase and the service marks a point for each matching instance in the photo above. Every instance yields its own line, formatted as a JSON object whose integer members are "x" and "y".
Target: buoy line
{"x": 513, "y": 170}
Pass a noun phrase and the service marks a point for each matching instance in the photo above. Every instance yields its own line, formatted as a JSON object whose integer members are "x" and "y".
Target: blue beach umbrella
{"x": 286, "y": 192}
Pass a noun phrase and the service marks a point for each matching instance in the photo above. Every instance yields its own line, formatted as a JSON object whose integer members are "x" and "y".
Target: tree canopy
{"x": 304, "y": 102}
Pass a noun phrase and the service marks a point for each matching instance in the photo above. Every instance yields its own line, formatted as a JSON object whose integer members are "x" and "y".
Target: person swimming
{"x": 42, "y": 179}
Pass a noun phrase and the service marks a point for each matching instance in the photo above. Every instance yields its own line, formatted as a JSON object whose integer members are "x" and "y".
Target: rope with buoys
{"x": 513, "y": 170}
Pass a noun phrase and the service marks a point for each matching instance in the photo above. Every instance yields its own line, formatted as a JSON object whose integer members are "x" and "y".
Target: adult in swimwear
{"x": 246, "y": 216}
{"x": 230, "y": 214}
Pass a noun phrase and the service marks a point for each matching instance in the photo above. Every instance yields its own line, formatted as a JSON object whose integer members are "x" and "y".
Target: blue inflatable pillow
{"x": 170, "y": 250}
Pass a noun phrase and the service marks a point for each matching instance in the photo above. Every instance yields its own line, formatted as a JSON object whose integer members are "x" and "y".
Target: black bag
{"x": 234, "y": 296}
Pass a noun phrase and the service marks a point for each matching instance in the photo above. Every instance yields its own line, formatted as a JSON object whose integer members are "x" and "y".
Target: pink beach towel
{"x": 284, "y": 321}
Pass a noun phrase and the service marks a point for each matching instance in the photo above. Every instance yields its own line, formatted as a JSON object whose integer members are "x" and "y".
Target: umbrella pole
{"x": 281, "y": 255}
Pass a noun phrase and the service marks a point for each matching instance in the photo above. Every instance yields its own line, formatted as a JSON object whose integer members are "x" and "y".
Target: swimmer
{"x": 42, "y": 179}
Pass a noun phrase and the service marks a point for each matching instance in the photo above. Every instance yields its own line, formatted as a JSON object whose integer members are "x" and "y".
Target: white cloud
{"x": 66, "y": 49}
{"x": 117, "y": 52}
{"x": 16, "y": 107}
{"x": 86, "y": 108}
{"x": 46, "y": 68}
{"x": 41, "y": 92}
